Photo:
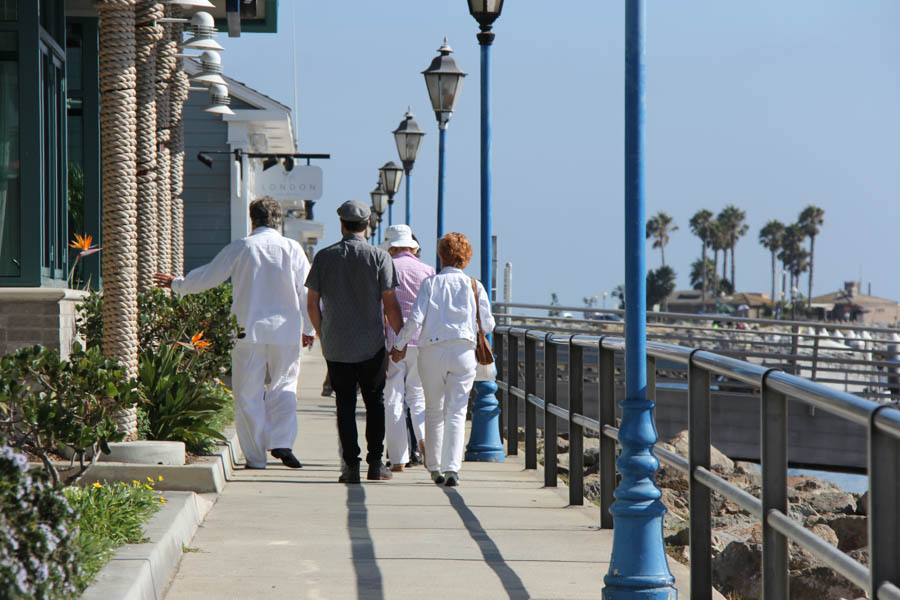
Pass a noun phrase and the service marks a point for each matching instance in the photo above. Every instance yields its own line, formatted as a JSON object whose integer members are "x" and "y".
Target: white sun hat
{"x": 399, "y": 236}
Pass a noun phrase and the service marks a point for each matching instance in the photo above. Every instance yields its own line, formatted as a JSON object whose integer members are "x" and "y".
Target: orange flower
{"x": 198, "y": 342}
{"x": 82, "y": 242}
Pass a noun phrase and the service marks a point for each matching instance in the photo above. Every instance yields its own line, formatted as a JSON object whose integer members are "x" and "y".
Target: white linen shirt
{"x": 267, "y": 271}
{"x": 445, "y": 310}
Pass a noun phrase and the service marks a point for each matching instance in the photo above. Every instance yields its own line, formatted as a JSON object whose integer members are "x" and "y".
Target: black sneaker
{"x": 378, "y": 472}
{"x": 351, "y": 475}
{"x": 287, "y": 457}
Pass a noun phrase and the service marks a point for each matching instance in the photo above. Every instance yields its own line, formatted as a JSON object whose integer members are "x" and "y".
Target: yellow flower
{"x": 135, "y": 482}
{"x": 160, "y": 478}
{"x": 97, "y": 484}
{"x": 150, "y": 479}
{"x": 148, "y": 487}
{"x": 162, "y": 500}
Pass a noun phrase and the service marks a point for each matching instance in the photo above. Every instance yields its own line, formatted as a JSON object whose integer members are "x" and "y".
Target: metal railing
{"x": 881, "y": 579}
{"x": 864, "y": 360}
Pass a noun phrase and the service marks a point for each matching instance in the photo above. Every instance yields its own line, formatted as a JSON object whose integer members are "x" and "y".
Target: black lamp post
{"x": 408, "y": 137}
{"x": 379, "y": 205}
{"x": 443, "y": 77}
{"x": 390, "y": 175}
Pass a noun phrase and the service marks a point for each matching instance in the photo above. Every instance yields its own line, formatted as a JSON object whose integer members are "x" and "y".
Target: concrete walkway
{"x": 283, "y": 533}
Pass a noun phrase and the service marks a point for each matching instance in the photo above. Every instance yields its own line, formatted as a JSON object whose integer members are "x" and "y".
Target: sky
{"x": 770, "y": 106}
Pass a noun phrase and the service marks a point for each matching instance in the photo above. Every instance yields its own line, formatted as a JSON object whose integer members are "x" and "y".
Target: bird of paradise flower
{"x": 83, "y": 243}
{"x": 197, "y": 343}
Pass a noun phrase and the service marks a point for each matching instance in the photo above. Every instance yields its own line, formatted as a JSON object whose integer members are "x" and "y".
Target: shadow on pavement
{"x": 511, "y": 582}
{"x": 368, "y": 576}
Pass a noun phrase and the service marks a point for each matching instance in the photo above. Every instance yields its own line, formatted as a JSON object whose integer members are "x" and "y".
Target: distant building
{"x": 849, "y": 304}
{"x": 744, "y": 304}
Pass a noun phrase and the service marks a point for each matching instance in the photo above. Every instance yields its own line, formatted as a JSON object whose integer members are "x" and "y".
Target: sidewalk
{"x": 285, "y": 533}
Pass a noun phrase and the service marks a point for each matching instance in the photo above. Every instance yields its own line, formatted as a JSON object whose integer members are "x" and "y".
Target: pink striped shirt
{"x": 411, "y": 272}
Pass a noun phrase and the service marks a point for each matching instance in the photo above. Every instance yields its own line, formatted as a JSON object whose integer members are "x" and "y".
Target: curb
{"x": 143, "y": 571}
{"x": 208, "y": 475}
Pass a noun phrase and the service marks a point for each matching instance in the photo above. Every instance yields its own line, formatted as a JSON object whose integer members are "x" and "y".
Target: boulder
{"x": 822, "y": 583}
{"x": 737, "y": 570}
{"x": 717, "y": 461}
{"x": 852, "y": 531}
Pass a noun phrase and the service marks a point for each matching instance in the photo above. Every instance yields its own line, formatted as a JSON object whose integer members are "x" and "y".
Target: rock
{"x": 822, "y": 583}
{"x": 682, "y": 537}
{"x": 718, "y": 461}
{"x": 562, "y": 445}
{"x": 851, "y": 530}
{"x": 736, "y": 570}
{"x": 825, "y": 532}
{"x": 862, "y": 504}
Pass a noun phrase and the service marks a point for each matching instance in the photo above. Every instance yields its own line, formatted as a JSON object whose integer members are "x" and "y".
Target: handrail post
{"x": 699, "y": 456}
{"x": 530, "y": 409}
{"x": 512, "y": 404}
{"x": 550, "y": 431}
{"x": 884, "y": 496}
{"x": 773, "y": 416}
{"x": 503, "y": 399}
{"x": 576, "y": 435}
{"x": 607, "y": 416}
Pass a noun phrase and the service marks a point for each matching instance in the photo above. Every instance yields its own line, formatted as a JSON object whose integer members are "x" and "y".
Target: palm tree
{"x": 717, "y": 241}
{"x": 659, "y": 227}
{"x": 770, "y": 237}
{"x": 793, "y": 256}
{"x": 810, "y": 220}
{"x": 733, "y": 228}
{"x": 701, "y": 225}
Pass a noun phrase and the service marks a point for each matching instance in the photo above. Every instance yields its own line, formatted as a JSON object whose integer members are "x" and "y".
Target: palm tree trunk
{"x": 715, "y": 290}
{"x": 773, "y": 278}
{"x": 662, "y": 254}
{"x": 733, "y": 283}
{"x": 703, "y": 258}
{"x": 812, "y": 246}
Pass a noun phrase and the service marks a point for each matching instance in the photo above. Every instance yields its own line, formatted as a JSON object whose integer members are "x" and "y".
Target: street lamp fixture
{"x": 211, "y": 68}
{"x": 203, "y": 26}
{"x": 408, "y": 137}
{"x": 269, "y": 162}
{"x": 379, "y": 204}
{"x": 219, "y": 100}
{"x": 288, "y": 163}
{"x": 373, "y": 223}
{"x": 443, "y": 77}
{"x": 444, "y": 80}
{"x": 390, "y": 175}
{"x": 485, "y": 12}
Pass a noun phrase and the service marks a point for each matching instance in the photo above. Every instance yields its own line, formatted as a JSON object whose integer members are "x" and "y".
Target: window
{"x": 9, "y": 10}
{"x": 10, "y": 250}
{"x": 53, "y": 164}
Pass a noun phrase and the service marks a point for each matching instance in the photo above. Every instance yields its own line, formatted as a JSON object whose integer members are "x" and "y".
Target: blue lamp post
{"x": 390, "y": 175}
{"x": 638, "y": 568}
{"x": 379, "y": 205}
{"x": 408, "y": 137}
{"x": 485, "y": 443}
{"x": 444, "y": 79}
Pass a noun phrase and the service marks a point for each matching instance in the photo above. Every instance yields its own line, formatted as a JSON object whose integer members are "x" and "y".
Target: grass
{"x": 110, "y": 515}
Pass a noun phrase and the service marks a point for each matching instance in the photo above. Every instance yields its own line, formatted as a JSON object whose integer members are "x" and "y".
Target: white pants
{"x": 448, "y": 372}
{"x": 265, "y": 418}
{"x": 403, "y": 388}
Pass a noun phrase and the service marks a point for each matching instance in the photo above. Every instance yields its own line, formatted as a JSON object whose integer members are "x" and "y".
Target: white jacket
{"x": 445, "y": 310}
{"x": 267, "y": 271}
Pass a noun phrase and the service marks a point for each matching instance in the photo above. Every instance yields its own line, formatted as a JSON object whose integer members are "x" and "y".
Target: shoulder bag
{"x": 483, "y": 352}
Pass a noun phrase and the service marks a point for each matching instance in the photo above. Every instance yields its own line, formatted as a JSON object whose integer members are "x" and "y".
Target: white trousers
{"x": 402, "y": 388}
{"x": 448, "y": 372}
{"x": 265, "y": 418}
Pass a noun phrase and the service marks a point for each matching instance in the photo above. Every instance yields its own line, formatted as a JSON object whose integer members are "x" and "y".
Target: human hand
{"x": 398, "y": 355}
{"x": 308, "y": 340}
{"x": 163, "y": 280}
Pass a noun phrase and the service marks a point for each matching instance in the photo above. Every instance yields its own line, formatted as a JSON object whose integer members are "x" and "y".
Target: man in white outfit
{"x": 267, "y": 271}
{"x": 403, "y": 386}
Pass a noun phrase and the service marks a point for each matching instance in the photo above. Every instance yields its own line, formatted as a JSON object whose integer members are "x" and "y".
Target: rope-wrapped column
{"x": 178, "y": 96}
{"x": 119, "y": 223}
{"x": 147, "y": 34}
{"x": 165, "y": 66}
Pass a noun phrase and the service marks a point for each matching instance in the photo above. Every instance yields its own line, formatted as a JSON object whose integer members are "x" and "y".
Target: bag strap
{"x": 477, "y": 309}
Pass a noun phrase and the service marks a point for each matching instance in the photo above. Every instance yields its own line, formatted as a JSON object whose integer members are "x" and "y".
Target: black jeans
{"x": 370, "y": 374}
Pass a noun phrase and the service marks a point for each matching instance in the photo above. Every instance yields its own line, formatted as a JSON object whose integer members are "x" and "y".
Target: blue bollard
{"x": 485, "y": 444}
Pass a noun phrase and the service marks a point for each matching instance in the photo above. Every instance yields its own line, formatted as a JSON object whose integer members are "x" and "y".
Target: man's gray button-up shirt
{"x": 350, "y": 276}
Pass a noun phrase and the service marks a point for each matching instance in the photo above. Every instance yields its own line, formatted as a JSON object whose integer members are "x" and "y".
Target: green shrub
{"x": 37, "y": 534}
{"x": 46, "y": 402}
{"x": 109, "y": 516}
{"x": 177, "y": 407}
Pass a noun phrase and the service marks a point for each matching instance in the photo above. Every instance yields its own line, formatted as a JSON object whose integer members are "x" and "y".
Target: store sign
{"x": 303, "y": 182}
